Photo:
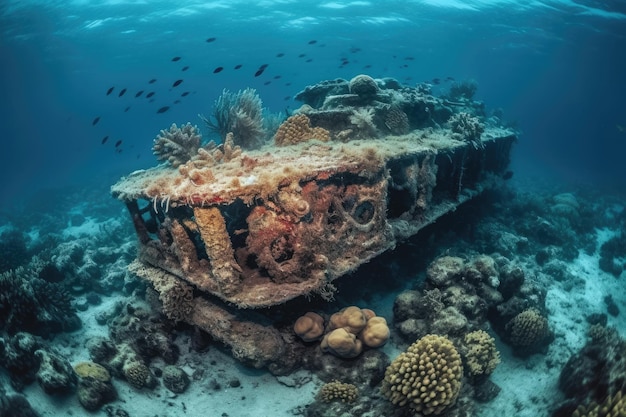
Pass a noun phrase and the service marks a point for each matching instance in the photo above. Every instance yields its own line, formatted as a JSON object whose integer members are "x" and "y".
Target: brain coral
{"x": 527, "y": 328}
{"x": 336, "y": 390}
{"x": 427, "y": 377}
{"x": 298, "y": 129}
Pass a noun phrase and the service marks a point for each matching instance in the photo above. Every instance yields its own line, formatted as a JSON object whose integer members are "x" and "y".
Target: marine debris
{"x": 361, "y": 166}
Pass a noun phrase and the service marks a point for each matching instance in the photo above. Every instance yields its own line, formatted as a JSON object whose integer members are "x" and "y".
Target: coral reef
{"x": 178, "y": 144}
{"x": 31, "y": 304}
{"x": 298, "y": 129}
{"x": 338, "y": 391}
{"x": 426, "y": 377}
{"x": 612, "y": 406}
{"x": 240, "y": 113}
{"x": 55, "y": 374}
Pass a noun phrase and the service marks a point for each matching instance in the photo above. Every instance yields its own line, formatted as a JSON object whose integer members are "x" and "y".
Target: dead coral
{"x": 362, "y": 119}
{"x": 467, "y": 128}
{"x": 178, "y": 144}
{"x": 198, "y": 167}
{"x": 298, "y": 129}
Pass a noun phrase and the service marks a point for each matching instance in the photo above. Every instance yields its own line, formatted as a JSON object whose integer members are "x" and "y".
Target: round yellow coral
{"x": 309, "y": 327}
{"x": 341, "y": 343}
{"x": 350, "y": 318}
{"x": 481, "y": 356}
{"x": 427, "y": 377}
{"x": 92, "y": 370}
{"x": 298, "y": 129}
{"x": 336, "y": 390}
{"x": 375, "y": 333}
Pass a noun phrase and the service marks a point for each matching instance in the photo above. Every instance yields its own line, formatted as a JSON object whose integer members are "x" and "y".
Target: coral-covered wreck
{"x": 226, "y": 232}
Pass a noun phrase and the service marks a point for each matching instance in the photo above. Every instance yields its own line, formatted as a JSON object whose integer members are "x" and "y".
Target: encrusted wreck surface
{"x": 256, "y": 228}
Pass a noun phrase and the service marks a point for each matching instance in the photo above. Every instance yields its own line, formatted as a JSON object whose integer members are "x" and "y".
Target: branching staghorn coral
{"x": 178, "y": 144}
{"x": 198, "y": 167}
{"x": 240, "y": 113}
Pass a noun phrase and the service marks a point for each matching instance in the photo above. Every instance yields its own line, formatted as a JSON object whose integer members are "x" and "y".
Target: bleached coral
{"x": 177, "y": 145}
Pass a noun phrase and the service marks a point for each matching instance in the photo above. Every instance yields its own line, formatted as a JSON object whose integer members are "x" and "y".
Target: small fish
{"x": 267, "y": 83}
{"x": 110, "y": 90}
{"x": 280, "y": 55}
{"x": 287, "y": 84}
{"x": 408, "y": 58}
{"x": 177, "y": 83}
{"x": 152, "y": 81}
{"x": 367, "y": 66}
{"x": 138, "y": 93}
{"x": 259, "y": 72}
{"x": 309, "y": 60}
{"x": 118, "y": 143}
{"x": 301, "y": 55}
{"x": 209, "y": 40}
{"x": 104, "y": 140}
{"x": 95, "y": 121}
{"x": 354, "y": 50}
{"x": 436, "y": 81}
{"x": 176, "y": 101}
{"x": 122, "y": 92}
{"x": 163, "y": 109}
{"x": 263, "y": 66}
{"x": 150, "y": 94}
{"x": 313, "y": 42}
{"x": 176, "y": 58}
{"x": 185, "y": 68}
{"x": 449, "y": 78}
{"x": 185, "y": 94}
{"x": 277, "y": 77}
{"x": 238, "y": 66}
{"x": 217, "y": 70}
{"x": 126, "y": 109}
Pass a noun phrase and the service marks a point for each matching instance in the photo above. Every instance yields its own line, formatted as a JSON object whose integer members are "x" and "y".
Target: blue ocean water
{"x": 555, "y": 68}
{"x": 87, "y": 85}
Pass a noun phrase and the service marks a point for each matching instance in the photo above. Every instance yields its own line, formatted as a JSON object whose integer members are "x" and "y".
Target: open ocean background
{"x": 555, "y": 68}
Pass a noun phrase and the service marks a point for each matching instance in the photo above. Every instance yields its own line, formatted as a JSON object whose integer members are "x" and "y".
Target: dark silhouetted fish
{"x": 152, "y": 81}
{"x": 354, "y": 50}
{"x": 436, "y": 81}
{"x": 287, "y": 84}
{"x": 95, "y": 121}
{"x": 267, "y": 83}
{"x": 122, "y": 92}
{"x": 238, "y": 66}
{"x": 110, "y": 90}
{"x": 163, "y": 109}
{"x": 138, "y": 93}
{"x": 176, "y": 101}
{"x": 118, "y": 143}
{"x": 177, "y": 83}
{"x": 104, "y": 140}
{"x": 309, "y": 60}
{"x": 449, "y": 78}
{"x": 367, "y": 66}
{"x": 209, "y": 40}
{"x": 218, "y": 69}
{"x": 277, "y": 77}
{"x": 259, "y": 71}
{"x": 150, "y": 94}
{"x": 263, "y": 66}
{"x": 126, "y": 109}
{"x": 185, "y": 94}
{"x": 301, "y": 55}
{"x": 176, "y": 58}
{"x": 280, "y": 55}
{"x": 313, "y": 42}
{"x": 408, "y": 58}
{"x": 185, "y": 68}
